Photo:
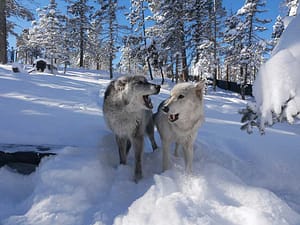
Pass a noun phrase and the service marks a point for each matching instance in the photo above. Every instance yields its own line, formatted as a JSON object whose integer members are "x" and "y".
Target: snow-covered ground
{"x": 237, "y": 179}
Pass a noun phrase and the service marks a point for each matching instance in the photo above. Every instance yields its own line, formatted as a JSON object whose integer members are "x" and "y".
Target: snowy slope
{"x": 238, "y": 178}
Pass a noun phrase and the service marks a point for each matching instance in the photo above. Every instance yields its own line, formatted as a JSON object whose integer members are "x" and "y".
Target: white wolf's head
{"x": 186, "y": 100}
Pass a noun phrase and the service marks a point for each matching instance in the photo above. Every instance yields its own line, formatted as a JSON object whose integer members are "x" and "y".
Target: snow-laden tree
{"x": 8, "y": 10}
{"x": 96, "y": 52}
{"x": 233, "y": 37}
{"x": 133, "y": 55}
{"x": 79, "y": 22}
{"x": 184, "y": 31}
{"x": 107, "y": 15}
{"x": 48, "y": 32}
{"x": 210, "y": 43}
{"x": 169, "y": 31}
{"x": 137, "y": 20}
{"x": 253, "y": 46}
{"x": 277, "y": 87}
{"x": 292, "y": 6}
{"x": 278, "y": 29}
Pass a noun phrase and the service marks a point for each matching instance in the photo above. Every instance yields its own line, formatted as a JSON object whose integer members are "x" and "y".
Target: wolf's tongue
{"x": 147, "y": 101}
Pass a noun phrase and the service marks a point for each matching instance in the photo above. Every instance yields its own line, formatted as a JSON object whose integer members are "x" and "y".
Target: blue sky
{"x": 272, "y": 7}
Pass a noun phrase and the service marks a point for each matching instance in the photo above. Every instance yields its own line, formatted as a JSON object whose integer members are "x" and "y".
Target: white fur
{"x": 186, "y": 101}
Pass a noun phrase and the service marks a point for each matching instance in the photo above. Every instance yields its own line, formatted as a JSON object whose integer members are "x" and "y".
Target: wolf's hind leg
{"x": 138, "y": 143}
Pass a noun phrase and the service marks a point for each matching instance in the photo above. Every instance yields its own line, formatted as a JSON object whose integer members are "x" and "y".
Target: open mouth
{"x": 147, "y": 101}
{"x": 173, "y": 117}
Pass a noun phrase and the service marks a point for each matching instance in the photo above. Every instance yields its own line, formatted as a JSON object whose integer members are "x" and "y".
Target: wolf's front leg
{"x": 188, "y": 151}
{"x": 138, "y": 143}
{"x": 124, "y": 146}
{"x": 166, "y": 155}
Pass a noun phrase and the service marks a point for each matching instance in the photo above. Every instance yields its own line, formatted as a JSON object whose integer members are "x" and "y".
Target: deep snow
{"x": 278, "y": 79}
{"x": 237, "y": 179}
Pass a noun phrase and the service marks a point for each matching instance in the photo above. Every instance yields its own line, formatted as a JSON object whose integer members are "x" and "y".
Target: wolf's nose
{"x": 165, "y": 109}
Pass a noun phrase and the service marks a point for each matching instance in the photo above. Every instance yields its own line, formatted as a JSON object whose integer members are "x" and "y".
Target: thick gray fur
{"x": 129, "y": 116}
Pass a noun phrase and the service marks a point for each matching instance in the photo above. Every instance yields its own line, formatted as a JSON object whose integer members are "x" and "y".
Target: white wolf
{"x": 127, "y": 110}
{"x": 178, "y": 120}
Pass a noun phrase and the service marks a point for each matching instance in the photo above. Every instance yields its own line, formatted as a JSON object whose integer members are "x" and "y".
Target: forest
{"x": 170, "y": 38}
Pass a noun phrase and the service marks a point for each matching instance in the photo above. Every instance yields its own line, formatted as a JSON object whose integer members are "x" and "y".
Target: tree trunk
{"x": 3, "y": 32}
{"x": 215, "y": 46}
{"x": 185, "y": 72}
{"x": 81, "y": 47}
{"x": 176, "y": 68}
{"x": 145, "y": 42}
{"x": 162, "y": 76}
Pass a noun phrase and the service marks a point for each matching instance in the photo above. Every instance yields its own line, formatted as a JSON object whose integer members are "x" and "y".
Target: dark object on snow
{"x": 235, "y": 87}
{"x": 40, "y": 65}
{"x": 25, "y": 158}
{"x": 15, "y": 70}
{"x": 16, "y": 67}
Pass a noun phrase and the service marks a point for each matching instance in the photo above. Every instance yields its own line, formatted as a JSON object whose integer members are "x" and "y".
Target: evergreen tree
{"x": 108, "y": 17}
{"x": 292, "y": 6}
{"x": 48, "y": 32}
{"x": 80, "y": 22}
{"x": 278, "y": 29}
{"x": 210, "y": 44}
{"x": 8, "y": 9}
{"x": 137, "y": 21}
{"x": 254, "y": 47}
{"x": 169, "y": 31}
{"x": 233, "y": 40}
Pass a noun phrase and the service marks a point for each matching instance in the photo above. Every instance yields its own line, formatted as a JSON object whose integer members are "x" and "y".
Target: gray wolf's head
{"x": 186, "y": 100}
{"x": 132, "y": 91}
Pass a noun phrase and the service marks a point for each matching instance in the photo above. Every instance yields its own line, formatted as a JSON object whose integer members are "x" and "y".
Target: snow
{"x": 237, "y": 178}
{"x": 279, "y": 79}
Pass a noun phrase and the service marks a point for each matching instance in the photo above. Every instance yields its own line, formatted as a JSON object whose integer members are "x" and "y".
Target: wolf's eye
{"x": 180, "y": 96}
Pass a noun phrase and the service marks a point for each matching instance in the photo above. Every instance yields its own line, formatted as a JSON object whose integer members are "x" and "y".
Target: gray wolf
{"x": 127, "y": 110}
{"x": 178, "y": 119}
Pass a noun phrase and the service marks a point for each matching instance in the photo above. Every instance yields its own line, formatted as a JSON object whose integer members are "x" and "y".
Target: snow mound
{"x": 277, "y": 87}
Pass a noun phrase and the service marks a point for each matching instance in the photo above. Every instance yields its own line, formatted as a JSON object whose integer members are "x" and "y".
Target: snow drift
{"x": 277, "y": 87}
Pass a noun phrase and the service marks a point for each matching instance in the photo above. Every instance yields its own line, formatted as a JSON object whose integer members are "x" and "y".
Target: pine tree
{"x": 292, "y": 6}
{"x": 137, "y": 21}
{"x": 233, "y": 39}
{"x": 108, "y": 18}
{"x": 8, "y": 9}
{"x": 278, "y": 29}
{"x": 169, "y": 31}
{"x": 210, "y": 45}
{"x": 48, "y": 33}
{"x": 80, "y": 22}
{"x": 254, "y": 47}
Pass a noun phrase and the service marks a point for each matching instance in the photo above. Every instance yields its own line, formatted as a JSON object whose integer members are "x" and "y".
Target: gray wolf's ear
{"x": 199, "y": 86}
{"x": 120, "y": 84}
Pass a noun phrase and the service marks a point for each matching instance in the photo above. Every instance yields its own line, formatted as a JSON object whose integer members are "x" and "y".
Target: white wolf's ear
{"x": 199, "y": 86}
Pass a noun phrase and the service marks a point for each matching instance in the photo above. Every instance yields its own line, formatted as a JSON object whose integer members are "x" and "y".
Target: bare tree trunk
{"x": 3, "y": 32}
{"x": 176, "y": 68}
{"x": 112, "y": 16}
{"x": 185, "y": 72}
{"x": 215, "y": 46}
